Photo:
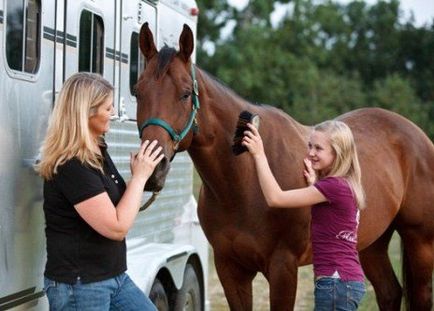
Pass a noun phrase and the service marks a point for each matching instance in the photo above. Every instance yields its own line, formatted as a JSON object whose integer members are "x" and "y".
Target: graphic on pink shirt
{"x": 350, "y": 236}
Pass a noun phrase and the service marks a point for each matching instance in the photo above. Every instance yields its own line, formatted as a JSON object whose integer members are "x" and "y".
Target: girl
{"x": 87, "y": 205}
{"x": 336, "y": 196}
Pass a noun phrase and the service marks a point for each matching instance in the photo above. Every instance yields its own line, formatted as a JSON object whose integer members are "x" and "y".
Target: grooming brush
{"x": 244, "y": 118}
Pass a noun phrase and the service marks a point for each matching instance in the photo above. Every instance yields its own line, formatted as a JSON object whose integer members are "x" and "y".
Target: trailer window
{"x": 91, "y": 45}
{"x": 23, "y": 35}
{"x": 137, "y": 62}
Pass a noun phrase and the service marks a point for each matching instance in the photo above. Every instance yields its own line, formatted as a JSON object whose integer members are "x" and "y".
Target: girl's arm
{"x": 273, "y": 194}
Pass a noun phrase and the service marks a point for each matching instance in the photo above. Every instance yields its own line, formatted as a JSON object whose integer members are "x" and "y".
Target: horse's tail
{"x": 405, "y": 272}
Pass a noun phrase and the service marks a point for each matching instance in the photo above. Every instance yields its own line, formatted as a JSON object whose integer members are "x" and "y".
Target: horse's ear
{"x": 147, "y": 45}
{"x": 186, "y": 43}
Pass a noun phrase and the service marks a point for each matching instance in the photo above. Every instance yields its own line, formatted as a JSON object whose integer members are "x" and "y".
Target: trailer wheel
{"x": 158, "y": 296}
{"x": 189, "y": 297}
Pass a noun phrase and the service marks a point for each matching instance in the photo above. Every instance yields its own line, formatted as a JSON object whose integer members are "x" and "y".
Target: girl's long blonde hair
{"x": 346, "y": 163}
{"x": 68, "y": 134}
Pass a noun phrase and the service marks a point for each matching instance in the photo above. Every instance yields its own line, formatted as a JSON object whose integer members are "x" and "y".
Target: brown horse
{"x": 397, "y": 161}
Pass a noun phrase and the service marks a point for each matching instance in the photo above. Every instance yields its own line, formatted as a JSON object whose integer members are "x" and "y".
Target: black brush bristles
{"x": 244, "y": 118}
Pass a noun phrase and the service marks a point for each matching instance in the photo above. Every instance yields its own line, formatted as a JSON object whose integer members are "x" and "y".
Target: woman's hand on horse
{"x": 253, "y": 141}
{"x": 309, "y": 172}
{"x": 143, "y": 163}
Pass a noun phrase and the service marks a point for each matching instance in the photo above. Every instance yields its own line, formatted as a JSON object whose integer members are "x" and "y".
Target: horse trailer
{"x": 43, "y": 42}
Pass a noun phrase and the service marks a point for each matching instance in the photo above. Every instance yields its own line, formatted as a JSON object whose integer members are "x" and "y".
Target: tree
{"x": 323, "y": 58}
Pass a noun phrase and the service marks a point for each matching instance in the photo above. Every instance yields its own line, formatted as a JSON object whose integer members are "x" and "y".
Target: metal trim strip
{"x": 116, "y": 55}
{"x": 19, "y": 298}
{"x": 49, "y": 33}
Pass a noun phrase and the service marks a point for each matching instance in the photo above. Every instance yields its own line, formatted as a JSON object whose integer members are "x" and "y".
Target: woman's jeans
{"x": 118, "y": 293}
{"x": 335, "y": 294}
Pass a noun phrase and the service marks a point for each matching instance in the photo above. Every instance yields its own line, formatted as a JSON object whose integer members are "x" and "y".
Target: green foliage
{"x": 396, "y": 94}
{"x": 323, "y": 58}
{"x": 325, "y": 96}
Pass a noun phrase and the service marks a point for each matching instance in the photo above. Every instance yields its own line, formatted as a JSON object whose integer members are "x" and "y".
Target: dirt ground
{"x": 304, "y": 300}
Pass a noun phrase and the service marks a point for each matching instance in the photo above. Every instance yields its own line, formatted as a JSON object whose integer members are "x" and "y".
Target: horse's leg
{"x": 282, "y": 277}
{"x": 236, "y": 282}
{"x": 417, "y": 268}
{"x": 378, "y": 269}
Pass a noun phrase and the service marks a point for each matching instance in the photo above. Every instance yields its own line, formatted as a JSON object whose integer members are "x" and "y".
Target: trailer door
{"x": 26, "y": 86}
{"x": 134, "y": 14}
{"x": 90, "y": 32}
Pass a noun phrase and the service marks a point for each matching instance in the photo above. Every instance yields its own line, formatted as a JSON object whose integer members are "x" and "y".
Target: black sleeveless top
{"x": 75, "y": 250}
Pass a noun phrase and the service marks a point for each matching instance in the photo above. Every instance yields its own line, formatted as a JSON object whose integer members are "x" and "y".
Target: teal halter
{"x": 191, "y": 120}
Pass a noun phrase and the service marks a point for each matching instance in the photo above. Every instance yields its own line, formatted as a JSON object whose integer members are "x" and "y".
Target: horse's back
{"x": 376, "y": 129}
{"x": 397, "y": 162}
{"x": 377, "y": 121}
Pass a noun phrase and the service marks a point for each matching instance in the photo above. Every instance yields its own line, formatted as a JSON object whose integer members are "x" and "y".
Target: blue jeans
{"x": 118, "y": 293}
{"x": 335, "y": 294}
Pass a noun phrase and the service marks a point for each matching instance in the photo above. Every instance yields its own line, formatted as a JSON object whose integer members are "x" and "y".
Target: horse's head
{"x": 167, "y": 99}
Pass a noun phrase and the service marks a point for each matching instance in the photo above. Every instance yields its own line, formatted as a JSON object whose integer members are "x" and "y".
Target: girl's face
{"x": 99, "y": 122}
{"x": 320, "y": 152}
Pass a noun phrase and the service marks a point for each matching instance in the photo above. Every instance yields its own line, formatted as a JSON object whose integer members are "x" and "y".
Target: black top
{"x": 74, "y": 249}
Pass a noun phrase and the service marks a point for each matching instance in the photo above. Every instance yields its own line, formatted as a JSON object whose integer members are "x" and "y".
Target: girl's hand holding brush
{"x": 253, "y": 141}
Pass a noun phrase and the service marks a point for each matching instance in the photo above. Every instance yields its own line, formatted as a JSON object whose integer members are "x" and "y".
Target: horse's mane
{"x": 165, "y": 56}
{"x": 226, "y": 89}
{"x": 222, "y": 87}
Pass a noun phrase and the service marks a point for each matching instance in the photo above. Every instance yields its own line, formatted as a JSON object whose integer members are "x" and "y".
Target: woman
{"x": 88, "y": 207}
{"x": 336, "y": 196}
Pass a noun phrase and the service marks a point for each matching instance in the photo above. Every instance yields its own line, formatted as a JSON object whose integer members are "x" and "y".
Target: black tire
{"x": 158, "y": 296}
{"x": 189, "y": 297}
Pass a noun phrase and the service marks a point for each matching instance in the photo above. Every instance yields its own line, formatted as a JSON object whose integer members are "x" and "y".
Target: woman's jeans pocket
{"x": 59, "y": 294}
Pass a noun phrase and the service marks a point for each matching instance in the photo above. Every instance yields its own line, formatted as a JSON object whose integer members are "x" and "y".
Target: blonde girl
{"x": 336, "y": 196}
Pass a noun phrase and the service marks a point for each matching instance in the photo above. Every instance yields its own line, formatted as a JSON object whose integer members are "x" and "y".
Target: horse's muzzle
{"x": 158, "y": 178}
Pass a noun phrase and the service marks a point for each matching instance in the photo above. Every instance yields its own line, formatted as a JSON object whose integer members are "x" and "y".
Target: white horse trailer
{"x": 43, "y": 42}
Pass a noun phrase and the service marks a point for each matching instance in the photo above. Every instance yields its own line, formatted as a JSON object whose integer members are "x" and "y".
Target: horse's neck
{"x": 218, "y": 113}
{"x": 217, "y": 119}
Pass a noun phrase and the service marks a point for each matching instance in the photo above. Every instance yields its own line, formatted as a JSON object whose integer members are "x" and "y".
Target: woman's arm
{"x": 273, "y": 194}
{"x": 99, "y": 211}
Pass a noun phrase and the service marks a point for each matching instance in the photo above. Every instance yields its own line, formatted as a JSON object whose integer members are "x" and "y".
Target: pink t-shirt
{"x": 334, "y": 231}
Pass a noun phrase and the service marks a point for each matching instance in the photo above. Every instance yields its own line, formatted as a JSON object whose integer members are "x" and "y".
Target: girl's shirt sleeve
{"x": 329, "y": 187}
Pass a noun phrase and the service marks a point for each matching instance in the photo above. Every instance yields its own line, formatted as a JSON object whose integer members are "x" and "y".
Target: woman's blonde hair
{"x": 346, "y": 163}
{"x": 68, "y": 134}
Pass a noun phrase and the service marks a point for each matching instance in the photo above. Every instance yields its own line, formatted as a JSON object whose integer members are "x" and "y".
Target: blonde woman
{"x": 336, "y": 196}
{"x": 88, "y": 207}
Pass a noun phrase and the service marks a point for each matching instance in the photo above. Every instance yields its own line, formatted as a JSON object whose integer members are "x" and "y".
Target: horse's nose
{"x": 158, "y": 177}
{"x": 162, "y": 166}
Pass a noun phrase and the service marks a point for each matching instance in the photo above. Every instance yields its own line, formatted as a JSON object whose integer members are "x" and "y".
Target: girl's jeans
{"x": 335, "y": 294}
{"x": 118, "y": 293}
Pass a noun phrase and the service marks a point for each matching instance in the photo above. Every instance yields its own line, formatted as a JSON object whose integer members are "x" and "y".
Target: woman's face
{"x": 320, "y": 152}
{"x": 99, "y": 122}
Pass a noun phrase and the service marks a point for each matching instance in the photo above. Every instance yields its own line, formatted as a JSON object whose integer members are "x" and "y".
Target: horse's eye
{"x": 185, "y": 96}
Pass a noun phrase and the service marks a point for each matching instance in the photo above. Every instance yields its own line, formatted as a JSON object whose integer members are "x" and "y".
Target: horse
{"x": 185, "y": 108}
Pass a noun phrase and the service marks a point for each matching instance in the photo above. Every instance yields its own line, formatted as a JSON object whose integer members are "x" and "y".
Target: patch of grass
{"x": 369, "y": 302}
